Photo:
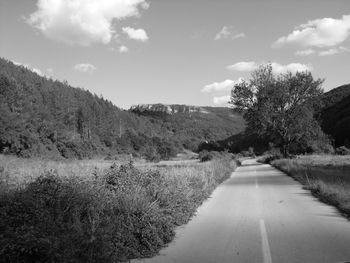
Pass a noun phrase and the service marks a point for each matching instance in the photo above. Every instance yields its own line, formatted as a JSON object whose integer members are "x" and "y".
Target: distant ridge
{"x": 335, "y": 116}
{"x": 167, "y": 108}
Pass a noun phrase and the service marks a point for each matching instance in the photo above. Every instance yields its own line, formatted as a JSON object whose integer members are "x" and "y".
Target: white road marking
{"x": 256, "y": 183}
{"x": 265, "y": 243}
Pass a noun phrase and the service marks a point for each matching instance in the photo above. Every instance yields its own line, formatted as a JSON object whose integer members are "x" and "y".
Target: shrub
{"x": 205, "y": 156}
{"x": 342, "y": 150}
{"x": 122, "y": 214}
{"x": 271, "y": 155}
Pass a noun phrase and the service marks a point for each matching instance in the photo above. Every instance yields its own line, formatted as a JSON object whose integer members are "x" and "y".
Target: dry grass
{"x": 98, "y": 211}
{"x": 327, "y": 176}
{"x": 17, "y": 172}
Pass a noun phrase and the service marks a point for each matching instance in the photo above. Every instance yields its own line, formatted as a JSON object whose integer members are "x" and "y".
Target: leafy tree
{"x": 280, "y": 107}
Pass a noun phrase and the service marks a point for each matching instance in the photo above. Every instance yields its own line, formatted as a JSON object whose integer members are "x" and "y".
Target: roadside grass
{"x": 328, "y": 177}
{"x": 82, "y": 211}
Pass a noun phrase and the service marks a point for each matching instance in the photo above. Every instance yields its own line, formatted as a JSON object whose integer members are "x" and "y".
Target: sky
{"x": 175, "y": 51}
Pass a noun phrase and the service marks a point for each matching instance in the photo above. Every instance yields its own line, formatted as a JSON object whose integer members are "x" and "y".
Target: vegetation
{"x": 107, "y": 215}
{"x": 41, "y": 117}
{"x": 328, "y": 177}
{"x": 280, "y": 108}
{"x": 206, "y": 124}
{"x": 335, "y": 117}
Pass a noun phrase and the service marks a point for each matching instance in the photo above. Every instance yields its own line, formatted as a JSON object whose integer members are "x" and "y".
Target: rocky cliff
{"x": 166, "y": 108}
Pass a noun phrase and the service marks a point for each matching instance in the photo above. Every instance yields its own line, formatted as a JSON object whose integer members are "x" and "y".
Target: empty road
{"x": 260, "y": 215}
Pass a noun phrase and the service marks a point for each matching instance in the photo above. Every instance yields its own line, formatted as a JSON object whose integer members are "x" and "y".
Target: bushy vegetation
{"x": 280, "y": 108}
{"x": 328, "y": 177}
{"x": 205, "y": 156}
{"x": 112, "y": 215}
{"x": 342, "y": 150}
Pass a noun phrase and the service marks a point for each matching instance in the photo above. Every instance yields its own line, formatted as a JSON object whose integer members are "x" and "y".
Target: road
{"x": 260, "y": 215}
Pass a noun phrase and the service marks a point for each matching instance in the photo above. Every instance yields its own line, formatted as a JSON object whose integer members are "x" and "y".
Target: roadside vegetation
{"x": 98, "y": 212}
{"x": 327, "y": 176}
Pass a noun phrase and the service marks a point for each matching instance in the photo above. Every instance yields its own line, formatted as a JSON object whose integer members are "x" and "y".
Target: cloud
{"x": 243, "y": 66}
{"x": 221, "y": 100}
{"x": 136, "y": 34}
{"x": 225, "y": 85}
{"x": 82, "y": 22}
{"x": 305, "y": 52}
{"x": 277, "y": 68}
{"x": 38, "y": 71}
{"x": 123, "y": 49}
{"x": 332, "y": 51}
{"x": 292, "y": 67}
{"x": 85, "y": 68}
{"x": 324, "y": 32}
{"x": 239, "y": 35}
{"x": 225, "y": 33}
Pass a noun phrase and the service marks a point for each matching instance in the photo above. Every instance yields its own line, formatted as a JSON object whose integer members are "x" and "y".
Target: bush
{"x": 271, "y": 155}
{"x": 125, "y": 213}
{"x": 205, "y": 156}
{"x": 342, "y": 150}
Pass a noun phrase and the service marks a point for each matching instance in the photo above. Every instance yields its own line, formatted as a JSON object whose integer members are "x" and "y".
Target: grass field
{"x": 98, "y": 211}
{"x": 327, "y": 176}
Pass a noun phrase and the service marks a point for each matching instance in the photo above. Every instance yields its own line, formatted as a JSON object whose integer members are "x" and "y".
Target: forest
{"x": 42, "y": 117}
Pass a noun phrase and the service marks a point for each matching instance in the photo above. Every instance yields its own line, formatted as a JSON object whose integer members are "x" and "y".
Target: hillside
{"x": 335, "y": 118}
{"x": 196, "y": 124}
{"x": 45, "y": 117}
{"x": 335, "y": 95}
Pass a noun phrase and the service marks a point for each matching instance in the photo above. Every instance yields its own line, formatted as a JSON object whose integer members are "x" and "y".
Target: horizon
{"x": 140, "y": 52}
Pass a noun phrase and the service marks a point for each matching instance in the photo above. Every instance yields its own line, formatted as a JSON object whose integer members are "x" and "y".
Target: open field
{"x": 89, "y": 211}
{"x": 327, "y": 176}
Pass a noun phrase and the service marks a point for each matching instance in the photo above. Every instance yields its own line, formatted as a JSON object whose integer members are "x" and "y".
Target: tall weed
{"x": 116, "y": 214}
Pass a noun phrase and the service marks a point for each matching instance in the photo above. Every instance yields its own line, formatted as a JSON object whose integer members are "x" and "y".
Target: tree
{"x": 279, "y": 107}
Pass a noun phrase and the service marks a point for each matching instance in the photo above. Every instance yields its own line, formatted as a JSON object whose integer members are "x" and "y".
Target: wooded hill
{"x": 45, "y": 117}
{"x": 335, "y": 116}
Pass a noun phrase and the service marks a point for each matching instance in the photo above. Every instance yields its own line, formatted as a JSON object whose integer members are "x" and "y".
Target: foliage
{"x": 280, "y": 107}
{"x": 205, "y": 156}
{"x": 342, "y": 150}
{"x": 111, "y": 216}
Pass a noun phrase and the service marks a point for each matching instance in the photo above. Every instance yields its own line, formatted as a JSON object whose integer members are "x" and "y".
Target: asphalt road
{"x": 261, "y": 215}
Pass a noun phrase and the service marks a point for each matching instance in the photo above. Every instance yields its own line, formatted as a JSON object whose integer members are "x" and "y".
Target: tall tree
{"x": 279, "y": 107}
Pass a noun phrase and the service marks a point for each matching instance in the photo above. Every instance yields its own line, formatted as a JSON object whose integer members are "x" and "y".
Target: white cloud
{"x": 305, "y": 52}
{"x": 136, "y": 34}
{"x": 226, "y": 33}
{"x": 292, "y": 67}
{"x": 239, "y": 35}
{"x": 324, "y": 32}
{"x": 123, "y": 49}
{"x": 85, "y": 68}
{"x": 221, "y": 100}
{"x": 38, "y": 71}
{"x": 277, "y": 68}
{"x": 243, "y": 66}
{"x": 332, "y": 51}
{"x": 225, "y": 85}
{"x": 82, "y": 22}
